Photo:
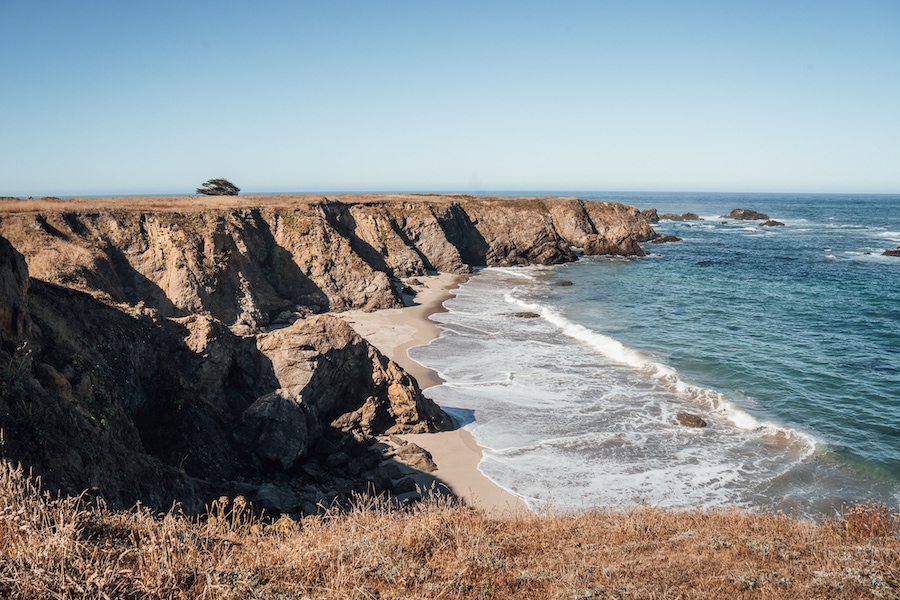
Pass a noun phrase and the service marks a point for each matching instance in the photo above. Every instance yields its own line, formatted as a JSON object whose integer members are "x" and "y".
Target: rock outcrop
{"x": 665, "y": 239}
{"x": 156, "y": 410}
{"x": 161, "y": 355}
{"x": 745, "y": 214}
{"x": 771, "y": 223}
{"x": 892, "y": 252}
{"x": 688, "y": 216}
{"x": 690, "y": 420}
{"x": 651, "y": 215}
{"x": 14, "y": 319}
{"x": 289, "y": 257}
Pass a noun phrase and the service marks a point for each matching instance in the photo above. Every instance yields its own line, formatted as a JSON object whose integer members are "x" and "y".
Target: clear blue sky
{"x": 122, "y": 97}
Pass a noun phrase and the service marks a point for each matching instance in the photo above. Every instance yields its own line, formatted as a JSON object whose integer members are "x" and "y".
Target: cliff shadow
{"x": 282, "y": 273}
{"x": 398, "y": 231}
{"x": 337, "y": 215}
{"x": 460, "y": 231}
{"x": 124, "y": 283}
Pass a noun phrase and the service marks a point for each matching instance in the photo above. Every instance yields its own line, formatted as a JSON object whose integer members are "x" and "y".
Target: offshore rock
{"x": 772, "y": 223}
{"x": 892, "y": 252}
{"x": 688, "y": 216}
{"x": 665, "y": 239}
{"x": 745, "y": 214}
{"x": 650, "y": 215}
{"x": 690, "y": 420}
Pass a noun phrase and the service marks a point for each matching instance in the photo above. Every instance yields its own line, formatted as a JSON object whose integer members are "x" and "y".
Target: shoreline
{"x": 456, "y": 454}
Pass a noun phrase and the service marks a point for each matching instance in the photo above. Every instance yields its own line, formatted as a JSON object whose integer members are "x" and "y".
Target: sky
{"x": 117, "y": 98}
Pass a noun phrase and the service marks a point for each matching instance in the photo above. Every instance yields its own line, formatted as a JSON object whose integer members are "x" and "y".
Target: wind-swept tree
{"x": 218, "y": 187}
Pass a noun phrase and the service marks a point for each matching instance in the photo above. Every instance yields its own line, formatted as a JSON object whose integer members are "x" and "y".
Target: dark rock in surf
{"x": 665, "y": 239}
{"x": 892, "y": 252}
{"x": 688, "y": 216}
{"x": 745, "y": 214}
{"x": 562, "y": 283}
{"x": 772, "y": 223}
{"x": 526, "y": 315}
{"x": 689, "y": 420}
{"x": 651, "y": 215}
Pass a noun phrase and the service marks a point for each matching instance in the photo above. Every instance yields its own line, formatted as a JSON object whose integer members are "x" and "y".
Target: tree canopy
{"x": 218, "y": 187}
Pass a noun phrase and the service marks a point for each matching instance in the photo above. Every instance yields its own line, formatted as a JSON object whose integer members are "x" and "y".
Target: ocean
{"x": 785, "y": 340}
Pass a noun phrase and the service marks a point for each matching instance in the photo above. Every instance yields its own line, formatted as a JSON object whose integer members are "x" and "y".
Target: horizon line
{"x": 448, "y": 192}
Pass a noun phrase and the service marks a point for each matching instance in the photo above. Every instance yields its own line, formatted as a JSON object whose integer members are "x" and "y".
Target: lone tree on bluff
{"x": 218, "y": 187}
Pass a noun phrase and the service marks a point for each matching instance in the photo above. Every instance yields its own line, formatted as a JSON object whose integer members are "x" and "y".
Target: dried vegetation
{"x": 168, "y": 204}
{"x": 75, "y": 548}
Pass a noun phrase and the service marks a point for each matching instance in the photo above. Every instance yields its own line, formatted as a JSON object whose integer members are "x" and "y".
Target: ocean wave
{"x": 520, "y": 272}
{"x": 668, "y": 378}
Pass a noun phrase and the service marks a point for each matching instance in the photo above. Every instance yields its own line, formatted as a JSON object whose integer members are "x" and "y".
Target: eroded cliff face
{"x": 254, "y": 266}
{"x": 180, "y": 355}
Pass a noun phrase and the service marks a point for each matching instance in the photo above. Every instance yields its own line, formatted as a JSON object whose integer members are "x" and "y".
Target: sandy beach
{"x": 456, "y": 454}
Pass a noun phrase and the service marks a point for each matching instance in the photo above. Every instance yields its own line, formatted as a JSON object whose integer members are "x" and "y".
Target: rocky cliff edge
{"x": 161, "y": 354}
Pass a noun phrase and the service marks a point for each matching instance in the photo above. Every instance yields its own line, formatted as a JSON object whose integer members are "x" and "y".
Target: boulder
{"x": 413, "y": 455}
{"x": 892, "y": 252}
{"x": 665, "y": 239}
{"x": 745, "y": 214}
{"x": 772, "y": 223}
{"x": 688, "y": 216}
{"x": 651, "y": 215}
{"x": 690, "y": 420}
{"x": 276, "y": 429}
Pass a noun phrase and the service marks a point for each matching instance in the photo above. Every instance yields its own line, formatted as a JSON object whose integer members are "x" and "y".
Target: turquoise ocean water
{"x": 785, "y": 340}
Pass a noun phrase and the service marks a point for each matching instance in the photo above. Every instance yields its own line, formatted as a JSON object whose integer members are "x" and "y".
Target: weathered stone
{"x": 745, "y": 214}
{"x": 892, "y": 252}
{"x": 278, "y": 498}
{"x": 688, "y": 216}
{"x": 275, "y": 428}
{"x": 665, "y": 239}
{"x": 415, "y": 456}
{"x": 771, "y": 223}
{"x": 690, "y": 420}
{"x": 650, "y": 215}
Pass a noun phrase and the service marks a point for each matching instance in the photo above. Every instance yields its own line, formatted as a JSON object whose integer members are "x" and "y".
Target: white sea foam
{"x": 616, "y": 351}
{"x": 591, "y": 422}
{"x": 893, "y": 236}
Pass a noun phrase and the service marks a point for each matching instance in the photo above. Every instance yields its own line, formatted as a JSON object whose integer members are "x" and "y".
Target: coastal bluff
{"x": 178, "y": 348}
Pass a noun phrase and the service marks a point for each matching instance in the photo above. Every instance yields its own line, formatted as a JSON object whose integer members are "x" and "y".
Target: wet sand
{"x": 393, "y": 332}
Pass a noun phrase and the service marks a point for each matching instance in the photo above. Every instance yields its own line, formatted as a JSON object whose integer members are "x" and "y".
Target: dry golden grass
{"x": 68, "y": 548}
{"x": 164, "y": 204}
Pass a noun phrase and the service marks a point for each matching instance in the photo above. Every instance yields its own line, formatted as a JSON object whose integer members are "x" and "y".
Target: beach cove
{"x": 457, "y": 455}
{"x": 780, "y": 338}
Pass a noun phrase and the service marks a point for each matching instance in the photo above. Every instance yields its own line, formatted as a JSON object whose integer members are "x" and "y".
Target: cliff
{"x": 177, "y": 350}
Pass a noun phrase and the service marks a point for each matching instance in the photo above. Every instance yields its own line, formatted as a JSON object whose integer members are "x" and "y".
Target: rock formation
{"x": 690, "y": 420}
{"x": 160, "y": 354}
{"x": 892, "y": 252}
{"x": 665, "y": 239}
{"x": 688, "y": 216}
{"x": 772, "y": 223}
{"x": 745, "y": 214}
{"x": 256, "y": 266}
{"x": 650, "y": 215}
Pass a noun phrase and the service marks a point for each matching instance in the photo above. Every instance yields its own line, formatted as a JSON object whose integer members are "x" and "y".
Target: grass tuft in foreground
{"x": 73, "y": 548}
